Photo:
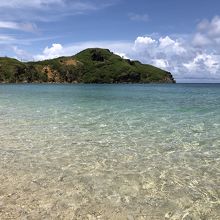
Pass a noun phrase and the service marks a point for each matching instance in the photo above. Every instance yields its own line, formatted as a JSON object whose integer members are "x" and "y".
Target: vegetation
{"x": 89, "y": 66}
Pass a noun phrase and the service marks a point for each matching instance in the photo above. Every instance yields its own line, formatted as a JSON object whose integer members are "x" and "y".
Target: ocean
{"x": 124, "y": 151}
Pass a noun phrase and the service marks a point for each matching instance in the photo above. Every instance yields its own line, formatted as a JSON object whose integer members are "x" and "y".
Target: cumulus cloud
{"x": 212, "y": 27}
{"x": 55, "y": 50}
{"x": 180, "y": 56}
{"x": 161, "y": 63}
{"x": 169, "y": 44}
{"x": 144, "y": 41}
{"x": 203, "y": 62}
{"x": 161, "y": 45}
{"x": 201, "y": 40}
{"x": 208, "y": 32}
{"x": 193, "y": 56}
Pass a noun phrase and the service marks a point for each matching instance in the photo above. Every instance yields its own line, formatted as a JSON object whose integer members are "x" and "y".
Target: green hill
{"x": 93, "y": 65}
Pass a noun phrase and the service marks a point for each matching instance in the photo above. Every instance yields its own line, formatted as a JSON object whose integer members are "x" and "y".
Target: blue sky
{"x": 181, "y": 36}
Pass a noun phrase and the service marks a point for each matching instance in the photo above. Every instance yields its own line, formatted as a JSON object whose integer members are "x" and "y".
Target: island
{"x": 93, "y": 65}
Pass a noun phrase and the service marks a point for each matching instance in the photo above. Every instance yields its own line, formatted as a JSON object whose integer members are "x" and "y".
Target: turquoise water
{"x": 110, "y": 151}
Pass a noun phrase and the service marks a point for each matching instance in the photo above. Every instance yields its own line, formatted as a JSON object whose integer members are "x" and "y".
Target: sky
{"x": 180, "y": 36}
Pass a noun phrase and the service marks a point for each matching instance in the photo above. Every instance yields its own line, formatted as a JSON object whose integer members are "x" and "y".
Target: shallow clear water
{"x": 110, "y": 151}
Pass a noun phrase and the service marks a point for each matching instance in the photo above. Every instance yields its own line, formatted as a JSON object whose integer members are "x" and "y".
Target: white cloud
{"x": 55, "y": 50}
{"x": 32, "y": 3}
{"x": 47, "y": 10}
{"x": 201, "y": 40}
{"x": 122, "y": 55}
{"x": 213, "y": 27}
{"x": 21, "y": 54}
{"x": 5, "y": 38}
{"x": 144, "y": 40}
{"x": 143, "y": 45}
{"x": 202, "y": 25}
{"x": 179, "y": 56}
{"x": 208, "y": 32}
{"x": 161, "y": 63}
{"x": 18, "y": 26}
{"x": 45, "y": 4}
{"x": 139, "y": 17}
{"x": 204, "y": 57}
{"x": 203, "y": 62}
{"x": 166, "y": 42}
{"x": 169, "y": 44}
